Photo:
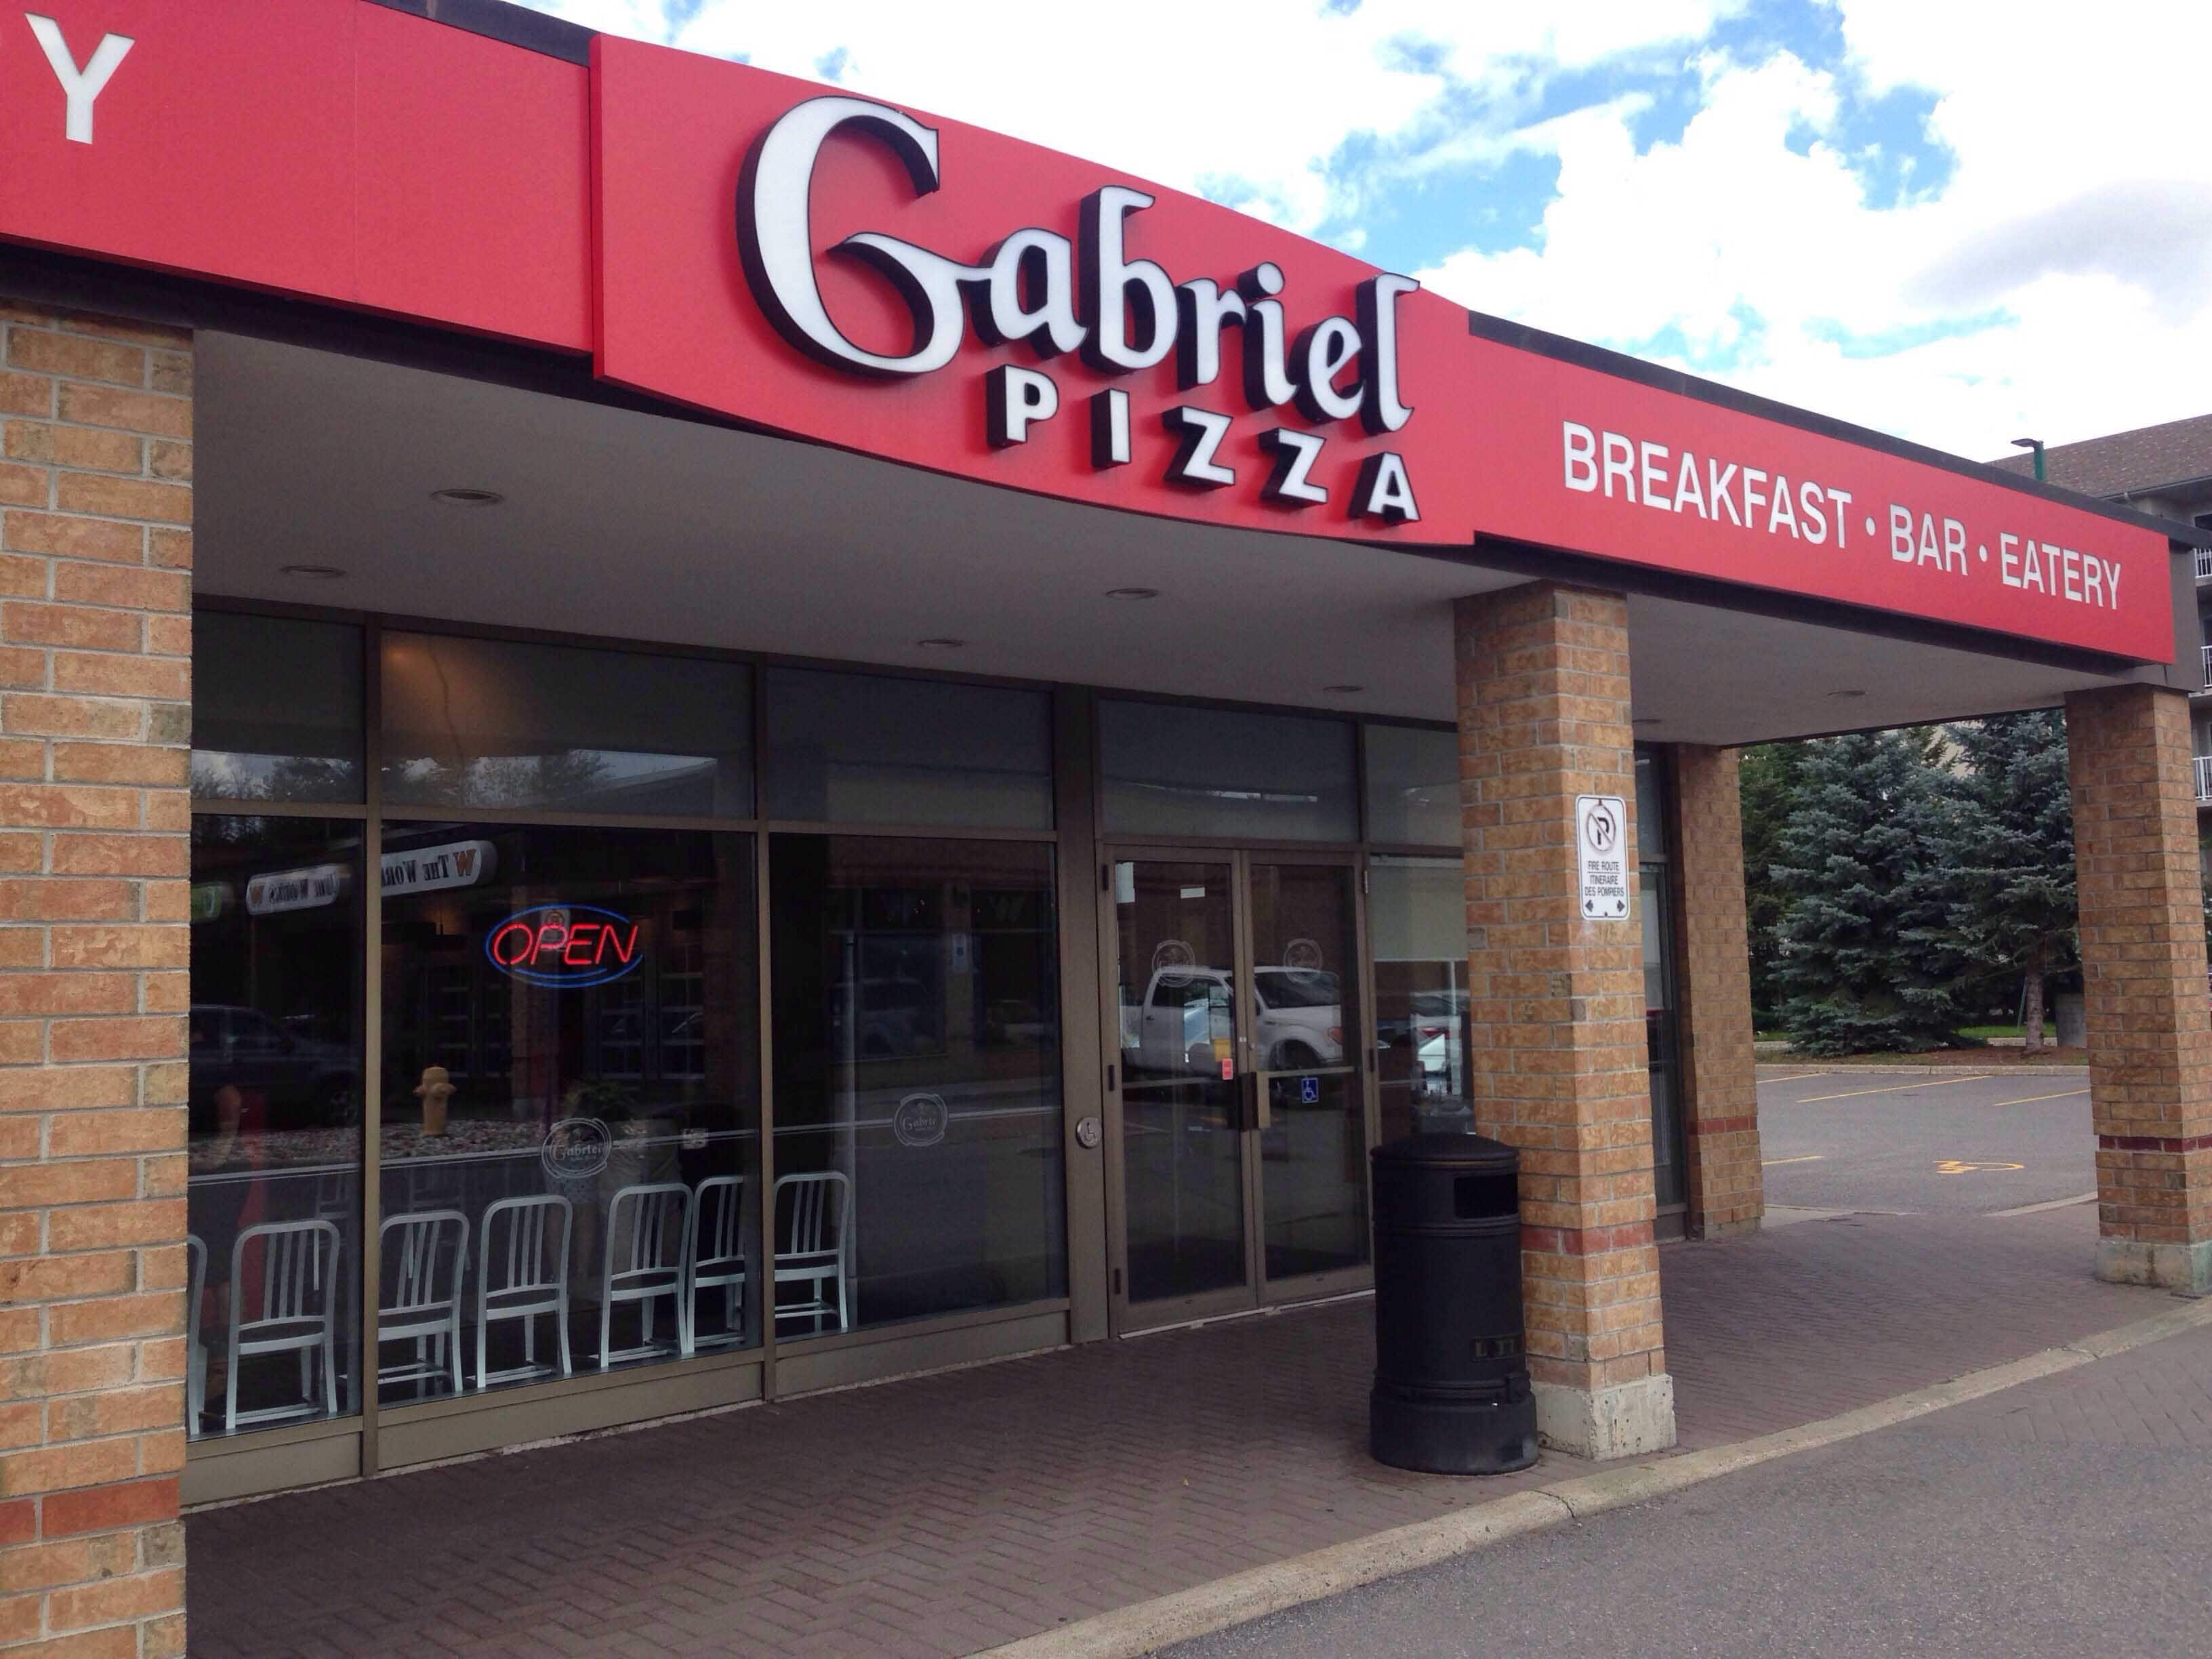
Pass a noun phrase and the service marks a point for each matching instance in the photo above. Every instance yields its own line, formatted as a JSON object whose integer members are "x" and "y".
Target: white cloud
{"x": 2078, "y": 208}
{"x": 1181, "y": 93}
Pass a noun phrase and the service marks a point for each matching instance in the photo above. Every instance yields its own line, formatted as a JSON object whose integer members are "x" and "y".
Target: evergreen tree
{"x": 2012, "y": 910}
{"x": 1863, "y": 964}
{"x": 1769, "y": 774}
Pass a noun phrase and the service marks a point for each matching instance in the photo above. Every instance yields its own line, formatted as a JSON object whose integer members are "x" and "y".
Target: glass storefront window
{"x": 916, "y": 997}
{"x": 1412, "y": 786}
{"x": 273, "y": 1196}
{"x": 1417, "y": 923}
{"x": 875, "y": 749}
{"x": 1174, "y": 769}
{"x": 496, "y": 723}
{"x": 571, "y": 1114}
{"x": 252, "y": 741}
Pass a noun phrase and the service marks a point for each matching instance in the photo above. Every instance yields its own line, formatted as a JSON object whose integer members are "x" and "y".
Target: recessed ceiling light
{"x": 940, "y": 644}
{"x": 313, "y": 573}
{"x": 1847, "y": 693}
{"x": 1132, "y": 592}
{"x": 464, "y": 497}
{"x": 1343, "y": 690}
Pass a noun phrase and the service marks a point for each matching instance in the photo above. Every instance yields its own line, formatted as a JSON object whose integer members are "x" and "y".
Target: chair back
{"x": 811, "y": 1209}
{"x": 423, "y": 1254}
{"x": 721, "y": 1219}
{"x": 299, "y": 1269}
{"x": 646, "y": 1226}
{"x": 525, "y": 1243}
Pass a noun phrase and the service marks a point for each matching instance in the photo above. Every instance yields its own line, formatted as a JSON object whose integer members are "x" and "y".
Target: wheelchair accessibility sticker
{"x": 1308, "y": 1092}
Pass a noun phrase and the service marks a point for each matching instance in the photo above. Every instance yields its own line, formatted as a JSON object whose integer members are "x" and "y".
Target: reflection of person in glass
{"x": 227, "y": 1199}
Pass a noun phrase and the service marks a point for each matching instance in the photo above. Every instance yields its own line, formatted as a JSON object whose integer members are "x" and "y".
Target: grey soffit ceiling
{"x": 646, "y": 527}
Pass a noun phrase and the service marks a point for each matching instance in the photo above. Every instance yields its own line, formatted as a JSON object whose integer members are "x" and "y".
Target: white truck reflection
{"x": 1187, "y": 1022}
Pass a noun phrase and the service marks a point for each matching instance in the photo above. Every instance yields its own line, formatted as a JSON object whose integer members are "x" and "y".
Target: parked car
{"x": 306, "y": 1082}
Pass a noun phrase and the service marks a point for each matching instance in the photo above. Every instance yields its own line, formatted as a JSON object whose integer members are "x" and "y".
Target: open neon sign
{"x": 564, "y": 944}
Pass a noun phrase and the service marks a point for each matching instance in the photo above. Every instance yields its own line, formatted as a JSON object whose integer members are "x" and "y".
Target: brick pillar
{"x": 1556, "y": 1004}
{"x": 96, "y": 552}
{"x": 1720, "y": 1076}
{"x": 2142, "y": 962}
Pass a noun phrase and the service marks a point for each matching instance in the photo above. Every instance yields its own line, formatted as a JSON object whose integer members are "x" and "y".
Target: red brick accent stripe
{"x": 1586, "y": 1241}
{"x": 2154, "y": 1143}
{"x": 1723, "y": 1126}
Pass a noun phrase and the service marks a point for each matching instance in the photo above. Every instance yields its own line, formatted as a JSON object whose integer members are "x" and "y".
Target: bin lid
{"x": 1438, "y": 1147}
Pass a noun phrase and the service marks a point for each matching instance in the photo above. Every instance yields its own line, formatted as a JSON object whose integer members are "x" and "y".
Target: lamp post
{"x": 2036, "y": 445}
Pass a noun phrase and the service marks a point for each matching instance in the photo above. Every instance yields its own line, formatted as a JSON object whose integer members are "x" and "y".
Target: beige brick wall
{"x": 95, "y": 644}
{"x": 1720, "y": 1078}
{"x": 1559, "y": 1062}
{"x": 2143, "y": 965}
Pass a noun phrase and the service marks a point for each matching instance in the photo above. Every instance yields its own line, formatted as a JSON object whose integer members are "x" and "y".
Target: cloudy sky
{"x": 1953, "y": 220}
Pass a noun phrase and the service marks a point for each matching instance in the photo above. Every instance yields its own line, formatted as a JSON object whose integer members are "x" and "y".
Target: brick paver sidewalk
{"x": 950, "y": 1513}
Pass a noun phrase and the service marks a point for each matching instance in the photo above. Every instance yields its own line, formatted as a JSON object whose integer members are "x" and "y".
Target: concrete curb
{"x": 1129, "y": 1632}
{"x": 1814, "y": 1069}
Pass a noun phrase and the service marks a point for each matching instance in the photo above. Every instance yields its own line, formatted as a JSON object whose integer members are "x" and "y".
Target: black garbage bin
{"x": 1451, "y": 1376}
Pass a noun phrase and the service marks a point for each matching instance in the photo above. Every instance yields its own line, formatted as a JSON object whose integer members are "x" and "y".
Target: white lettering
{"x": 1655, "y": 477}
{"x": 1383, "y": 491}
{"x": 1381, "y": 409}
{"x": 1816, "y": 521}
{"x": 1198, "y": 432}
{"x": 1842, "y": 498}
{"x": 1580, "y": 456}
{"x": 2093, "y": 579}
{"x": 79, "y": 86}
{"x": 1931, "y": 553}
{"x": 2031, "y": 570}
{"x": 2009, "y": 561}
{"x": 1900, "y": 533}
{"x": 1014, "y": 399}
{"x": 1686, "y": 486}
{"x": 1720, "y": 480}
{"x": 1753, "y": 497}
{"x": 1046, "y": 264}
{"x": 1620, "y": 463}
{"x": 1784, "y": 510}
{"x": 1288, "y": 484}
{"x": 777, "y": 243}
{"x": 2112, "y": 582}
{"x": 2069, "y": 565}
{"x": 1954, "y": 544}
{"x": 1118, "y": 291}
{"x": 1326, "y": 349}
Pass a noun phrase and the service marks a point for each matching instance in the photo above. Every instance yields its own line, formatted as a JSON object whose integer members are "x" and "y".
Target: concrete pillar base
{"x": 1628, "y": 1419}
{"x": 2186, "y": 1268}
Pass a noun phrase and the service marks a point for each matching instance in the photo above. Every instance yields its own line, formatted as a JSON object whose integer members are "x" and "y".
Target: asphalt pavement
{"x": 2061, "y": 1517}
{"x": 1960, "y": 1143}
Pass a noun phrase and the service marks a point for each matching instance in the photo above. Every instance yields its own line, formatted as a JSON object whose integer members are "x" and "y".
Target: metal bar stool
{"x": 420, "y": 1297}
{"x": 812, "y": 1248}
{"x": 648, "y": 1226}
{"x": 522, "y": 1273}
{"x": 718, "y": 1260}
{"x": 300, "y": 1290}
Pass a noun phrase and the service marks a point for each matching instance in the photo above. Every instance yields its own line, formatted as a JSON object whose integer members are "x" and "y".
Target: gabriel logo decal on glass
{"x": 564, "y": 946}
{"x": 1037, "y": 289}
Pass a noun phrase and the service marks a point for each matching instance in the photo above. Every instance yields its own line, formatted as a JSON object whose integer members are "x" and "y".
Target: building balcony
{"x": 2205, "y": 780}
{"x": 2204, "y": 564}
{"x": 2205, "y": 651}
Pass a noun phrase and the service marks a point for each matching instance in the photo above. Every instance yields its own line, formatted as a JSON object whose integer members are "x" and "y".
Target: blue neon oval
{"x": 580, "y": 977}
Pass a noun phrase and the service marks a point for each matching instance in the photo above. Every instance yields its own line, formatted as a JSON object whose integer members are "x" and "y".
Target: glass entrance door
{"x": 1243, "y": 1116}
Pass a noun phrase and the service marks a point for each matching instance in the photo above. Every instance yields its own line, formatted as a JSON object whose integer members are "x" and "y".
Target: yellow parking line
{"x": 2029, "y": 1100}
{"x": 1902, "y": 1088}
{"x": 1809, "y": 1157}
